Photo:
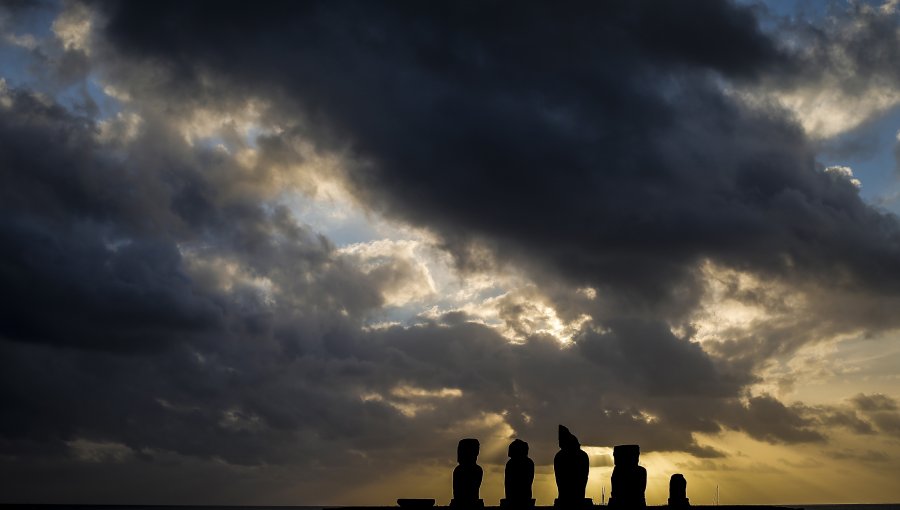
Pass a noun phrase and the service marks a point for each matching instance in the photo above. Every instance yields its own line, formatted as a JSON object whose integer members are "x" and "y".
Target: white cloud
{"x": 228, "y": 275}
{"x": 402, "y": 272}
{"x": 73, "y": 27}
{"x": 844, "y": 172}
{"x": 122, "y": 128}
{"x": 27, "y": 41}
{"x": 5, "y": 100}
{"x": 825, "y": 110}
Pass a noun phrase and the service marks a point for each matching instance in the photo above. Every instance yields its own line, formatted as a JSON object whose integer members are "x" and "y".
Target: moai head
{"x": 627, "y": 454}
{"x": 567, "y": 441}
{"x": 518, "y": 449}
{"x": 467, "y": 451}
{"x": 677, "y": 486}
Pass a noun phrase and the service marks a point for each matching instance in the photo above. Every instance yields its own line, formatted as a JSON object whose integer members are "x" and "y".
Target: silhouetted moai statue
{"x": 518, "y": 477}
{"x": 571, "y": 466}
{"x": 678, "y": 492}
{"x": 467, "y": 475}
{"x": 629, "y": 481}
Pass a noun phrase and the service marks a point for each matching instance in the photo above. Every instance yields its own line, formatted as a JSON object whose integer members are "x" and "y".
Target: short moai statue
{"x": 467, "y": 475}
{"x": 678, "y": 492}
{"x": 571, "y": 466}
{"x": 518, "y": 477}
{"x": 629, "y": 480}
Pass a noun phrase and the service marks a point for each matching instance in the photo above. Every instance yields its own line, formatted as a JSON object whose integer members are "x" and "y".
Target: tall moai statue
{"x": 629, "y": 480}
{"x": 571, "y": 466}
{"x": 467, "y": 475}
{"x": 518, "y": 477}
{"x": 678, "y": 492}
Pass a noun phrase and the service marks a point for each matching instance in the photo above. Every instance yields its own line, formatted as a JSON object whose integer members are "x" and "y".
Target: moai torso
{"x": 467, "y": 482}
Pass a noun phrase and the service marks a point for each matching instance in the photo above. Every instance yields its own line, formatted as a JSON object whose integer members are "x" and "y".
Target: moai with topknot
{"x": 571, "y": 466}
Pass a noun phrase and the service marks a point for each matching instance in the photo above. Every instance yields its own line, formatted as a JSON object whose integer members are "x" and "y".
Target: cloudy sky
{"x": 291, "y": 252}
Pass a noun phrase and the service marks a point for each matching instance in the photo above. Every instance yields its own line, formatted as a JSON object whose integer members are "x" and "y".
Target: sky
{"x": 292, "y": 252}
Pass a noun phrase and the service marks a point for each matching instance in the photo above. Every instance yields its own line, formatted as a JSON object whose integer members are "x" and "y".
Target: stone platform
{"x": 596, "y": 506}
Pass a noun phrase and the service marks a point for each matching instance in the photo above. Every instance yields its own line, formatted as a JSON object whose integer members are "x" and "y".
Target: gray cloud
{"x": 846, "y": 418}
{"x": 149, "y": 356}
{"x": 874, "y": 402}
{"x": 767, "y": 419}
{"x": 161, "y": 308}
{"x": 881, "y": 410}
{"x": 640, "y": 165}
{"x": 857, "y": 42}
{"x": 865, "y": 456}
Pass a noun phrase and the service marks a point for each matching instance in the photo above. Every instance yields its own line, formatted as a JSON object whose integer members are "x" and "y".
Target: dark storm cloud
{"x": 591, "y": 142}
{"x": 863, "y": 414}
{"x": 95, "y": 243}
{"x": 573, "y": 140}
{"x": 646, "y": 355}
{"x": 121, "y": 346}
{"x": 146, "y": 354}
{"x": 767, "y": 419}
{"x": 597, "y": 152}
{"x": 881, "y": 410}
{"x": 115, "y": 325}
{"x": 854, "y": 43}
{"x": 836, "y": 417}
{"x": 874, "y": 402}
{"x": 62, "y": 221}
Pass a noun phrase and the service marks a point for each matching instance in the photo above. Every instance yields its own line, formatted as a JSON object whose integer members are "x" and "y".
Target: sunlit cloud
{"x": 73, "y": 27}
